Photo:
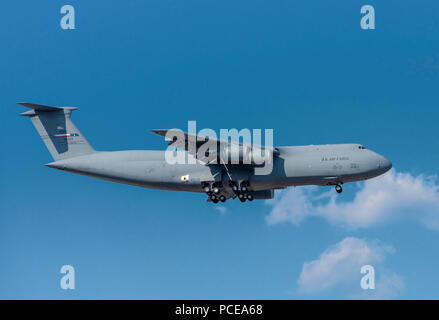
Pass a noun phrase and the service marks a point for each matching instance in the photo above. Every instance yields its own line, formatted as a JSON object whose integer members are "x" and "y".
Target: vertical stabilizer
{"x": 59, "y": 133}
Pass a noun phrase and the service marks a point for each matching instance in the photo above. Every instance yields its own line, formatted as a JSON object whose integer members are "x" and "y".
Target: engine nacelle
{"x": 244, "y": 154}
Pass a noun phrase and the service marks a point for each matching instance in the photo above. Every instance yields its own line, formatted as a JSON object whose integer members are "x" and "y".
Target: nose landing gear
{"x": 338, "y": 188}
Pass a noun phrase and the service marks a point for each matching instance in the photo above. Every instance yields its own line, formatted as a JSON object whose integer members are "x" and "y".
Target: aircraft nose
{"x": 384, "y": 164}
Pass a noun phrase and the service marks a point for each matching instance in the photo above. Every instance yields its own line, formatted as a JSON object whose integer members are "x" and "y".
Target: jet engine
{"x": 232, "y": 153}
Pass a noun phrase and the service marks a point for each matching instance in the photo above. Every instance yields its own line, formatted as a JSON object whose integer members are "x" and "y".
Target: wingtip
{"x": 158, "y": 131}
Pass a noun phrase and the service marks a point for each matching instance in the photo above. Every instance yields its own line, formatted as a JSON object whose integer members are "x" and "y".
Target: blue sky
{"x": 305, "y": 69}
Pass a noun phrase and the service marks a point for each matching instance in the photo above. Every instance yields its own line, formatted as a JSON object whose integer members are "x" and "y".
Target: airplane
{"x": 322, "y": 165}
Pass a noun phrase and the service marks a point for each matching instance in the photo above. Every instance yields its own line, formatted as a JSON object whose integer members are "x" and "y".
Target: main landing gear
{"x": 213, "y": 192}
{"x": 216, "y": 198}
{"x": 241, "y": 190}
{"x": 338, "y": 188}
{"x": 211, "y": 189}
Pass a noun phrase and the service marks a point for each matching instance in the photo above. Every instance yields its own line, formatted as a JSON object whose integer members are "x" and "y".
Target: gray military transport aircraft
{"x": 321, "y": 165}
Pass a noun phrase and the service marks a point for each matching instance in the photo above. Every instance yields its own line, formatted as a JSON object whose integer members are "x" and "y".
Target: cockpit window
{"x": 361, "y": 147}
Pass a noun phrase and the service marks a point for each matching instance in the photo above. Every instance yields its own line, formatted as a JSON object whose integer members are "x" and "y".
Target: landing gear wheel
{"x": 241, "y": 196}
{"x": 216, "y": 190}
{"x": 338, "y": 188}
{"x": 250, "y": 197}
{"x": 242, "y": 199}
{"x": 214, "y": 198}
{"x": 222, "y": 198}
{"x": 243, "y": 188}
{"x": 207, "y": 189}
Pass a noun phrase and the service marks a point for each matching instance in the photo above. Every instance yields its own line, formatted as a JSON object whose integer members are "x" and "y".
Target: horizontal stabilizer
{"x": 38, "y": 107}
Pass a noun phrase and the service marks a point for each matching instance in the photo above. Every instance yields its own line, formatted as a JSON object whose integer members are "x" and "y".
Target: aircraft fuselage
{"x": 294, "y": 166}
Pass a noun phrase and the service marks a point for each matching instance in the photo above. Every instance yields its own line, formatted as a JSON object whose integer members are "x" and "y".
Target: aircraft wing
{"x": 211, "y": 150}
{"x": 181, "y": 140}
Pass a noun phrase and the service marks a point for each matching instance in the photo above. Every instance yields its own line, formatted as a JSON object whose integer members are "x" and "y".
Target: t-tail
{"x": 57, "y": 130}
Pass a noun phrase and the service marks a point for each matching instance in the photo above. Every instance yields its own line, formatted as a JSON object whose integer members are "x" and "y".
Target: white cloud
{"x": 390, "y": 196}
{"x": 388, "y": 286}
{"x": 339, "y": 267}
